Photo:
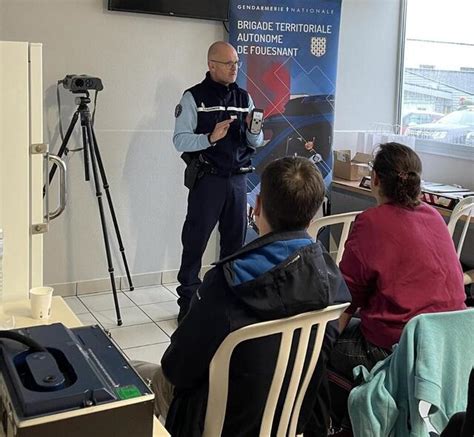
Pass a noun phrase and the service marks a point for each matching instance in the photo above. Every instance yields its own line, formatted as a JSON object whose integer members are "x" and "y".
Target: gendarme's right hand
{"x": 220, "y": 130}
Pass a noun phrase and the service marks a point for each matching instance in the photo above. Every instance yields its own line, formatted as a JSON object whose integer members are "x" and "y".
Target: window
{"x": 438, "y": 76}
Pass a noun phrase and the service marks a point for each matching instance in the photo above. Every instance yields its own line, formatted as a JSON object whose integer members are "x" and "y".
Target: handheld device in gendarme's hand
{"x": 256, "y": 122}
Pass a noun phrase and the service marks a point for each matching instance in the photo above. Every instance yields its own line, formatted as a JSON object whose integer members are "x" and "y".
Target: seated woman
{"x": 399, "y": 261}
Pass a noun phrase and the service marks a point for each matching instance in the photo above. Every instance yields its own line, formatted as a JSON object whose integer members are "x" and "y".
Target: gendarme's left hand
{"x": 220, "y": 130}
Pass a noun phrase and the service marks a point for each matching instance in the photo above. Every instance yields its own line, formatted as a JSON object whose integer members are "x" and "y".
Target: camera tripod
{"x": 91, "y": 152}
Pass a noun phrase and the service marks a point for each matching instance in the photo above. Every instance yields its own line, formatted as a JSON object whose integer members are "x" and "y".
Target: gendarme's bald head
{"x": 222, "y": 61}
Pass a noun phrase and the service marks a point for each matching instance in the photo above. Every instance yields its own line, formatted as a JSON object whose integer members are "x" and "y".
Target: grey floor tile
{"x": 161, "y": 311}
{"x": 138, "y": 335}
{"x": 169, "y": 326}
{"x": 87, "y": 319}
{"x": 148, "y": 295}
{"x": 104, "y": 301}
{"x": 152, "y": 353}
{"x": 76, "y": 305}
{"x": 172, "y": 288}
{"x": 130, "y": 316}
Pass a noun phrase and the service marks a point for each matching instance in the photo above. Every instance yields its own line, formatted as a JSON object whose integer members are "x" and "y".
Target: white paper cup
{"x": 40, "y": 301}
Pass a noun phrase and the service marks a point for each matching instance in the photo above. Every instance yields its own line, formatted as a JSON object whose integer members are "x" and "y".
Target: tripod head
{"x": 83, "y": 100}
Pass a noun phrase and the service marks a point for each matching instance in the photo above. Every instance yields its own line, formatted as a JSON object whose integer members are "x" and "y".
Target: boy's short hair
{"x": 291, "y": 191}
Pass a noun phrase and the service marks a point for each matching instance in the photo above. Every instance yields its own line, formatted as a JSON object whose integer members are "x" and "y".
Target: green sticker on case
{"x": 128, "y": 392}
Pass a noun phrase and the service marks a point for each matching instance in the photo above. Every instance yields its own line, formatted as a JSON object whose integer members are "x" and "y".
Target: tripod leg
{"x": 111, "y": 207}
{"x": 63, "y": 145}
{"x": 86, "y": 153}
{"x": 98, "y": 193}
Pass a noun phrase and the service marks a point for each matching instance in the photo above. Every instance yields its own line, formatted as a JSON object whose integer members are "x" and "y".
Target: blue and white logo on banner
{"x": 288, "y": 51}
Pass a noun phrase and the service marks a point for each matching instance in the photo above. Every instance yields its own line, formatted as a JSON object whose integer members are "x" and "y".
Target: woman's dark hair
{"x": 291, "y": 190}
{"x": 399, "y": 170}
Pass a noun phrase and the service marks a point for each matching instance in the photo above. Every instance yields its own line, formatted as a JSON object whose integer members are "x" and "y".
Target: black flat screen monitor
{"x": 206, "y": 9}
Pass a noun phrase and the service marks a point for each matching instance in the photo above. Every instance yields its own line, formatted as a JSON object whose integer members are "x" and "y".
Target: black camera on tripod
{"x": 81, "y": 83}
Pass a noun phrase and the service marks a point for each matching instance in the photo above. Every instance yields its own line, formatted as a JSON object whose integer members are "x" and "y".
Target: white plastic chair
{"x": 465, "y": 207}
{"x": 219, "y": 370}
{"x": 345, "y": 219}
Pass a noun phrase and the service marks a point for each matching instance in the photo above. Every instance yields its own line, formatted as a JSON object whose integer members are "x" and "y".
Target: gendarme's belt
{"x": 207, "y": 167}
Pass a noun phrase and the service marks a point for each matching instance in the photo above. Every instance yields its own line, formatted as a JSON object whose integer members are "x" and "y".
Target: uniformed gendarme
{"x": 211, "y": 130}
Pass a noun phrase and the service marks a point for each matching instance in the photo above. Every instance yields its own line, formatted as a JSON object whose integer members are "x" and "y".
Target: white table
{"x": 61, "y": 313}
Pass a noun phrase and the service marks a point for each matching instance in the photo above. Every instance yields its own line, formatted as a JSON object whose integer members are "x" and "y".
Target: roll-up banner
{"x": 288, "y": 51}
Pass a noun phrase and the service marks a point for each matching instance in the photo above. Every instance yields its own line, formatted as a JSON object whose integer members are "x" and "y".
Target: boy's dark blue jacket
{"x": 276, "y": 276}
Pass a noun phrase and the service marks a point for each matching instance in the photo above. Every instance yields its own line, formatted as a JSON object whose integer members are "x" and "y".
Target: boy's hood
{"x": 279, "y": 275}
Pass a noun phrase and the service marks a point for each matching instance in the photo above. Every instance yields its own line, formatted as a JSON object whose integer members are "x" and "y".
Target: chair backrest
{"x": 219, "y": 370}
{"x": 465, "y": 207}
{"x": 345, "y": 219}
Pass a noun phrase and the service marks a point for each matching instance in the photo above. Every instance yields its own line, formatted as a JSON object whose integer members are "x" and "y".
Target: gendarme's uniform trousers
{"x": 213, "y": 199}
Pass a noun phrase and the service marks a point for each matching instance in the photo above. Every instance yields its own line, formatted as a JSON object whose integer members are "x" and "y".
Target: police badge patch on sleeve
{"x": 178, "y": 110}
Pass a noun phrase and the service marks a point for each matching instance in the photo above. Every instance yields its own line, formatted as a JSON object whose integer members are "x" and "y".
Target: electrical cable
{"x": 20, "y": 338}
{"x": 58, "y": 98}
{"x": 95, "y": 107}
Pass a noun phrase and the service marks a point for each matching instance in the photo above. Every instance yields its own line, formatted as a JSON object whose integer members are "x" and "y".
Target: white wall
{"x": 145, "y": 62}
{"x": 366, "y": 88}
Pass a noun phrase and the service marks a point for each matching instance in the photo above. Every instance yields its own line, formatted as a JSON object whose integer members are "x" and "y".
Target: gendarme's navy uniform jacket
{"x": 200, "y": 109}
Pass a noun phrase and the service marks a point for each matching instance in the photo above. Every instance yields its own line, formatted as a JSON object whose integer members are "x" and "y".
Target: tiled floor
{"x": 148, "y": 315}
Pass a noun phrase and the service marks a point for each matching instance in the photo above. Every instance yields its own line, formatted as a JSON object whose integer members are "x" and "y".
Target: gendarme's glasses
{"x": 229, "y": 64}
